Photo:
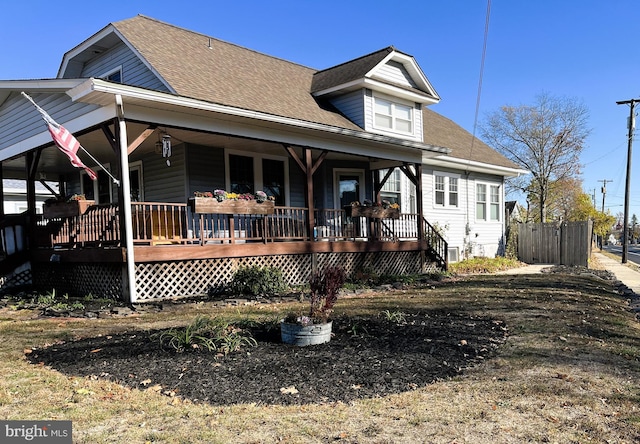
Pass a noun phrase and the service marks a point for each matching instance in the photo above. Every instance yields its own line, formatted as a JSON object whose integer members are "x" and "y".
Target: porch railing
{"x": 156, "y": 223}
{"x": 98, "y": 226}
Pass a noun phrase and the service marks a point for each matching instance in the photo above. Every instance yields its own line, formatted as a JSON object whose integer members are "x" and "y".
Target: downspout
{"x": 467, "y": 227}
{"x": 129, "y": 284}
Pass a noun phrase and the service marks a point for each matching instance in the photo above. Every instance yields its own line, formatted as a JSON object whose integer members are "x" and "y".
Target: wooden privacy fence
{"x": 566, "y": 243}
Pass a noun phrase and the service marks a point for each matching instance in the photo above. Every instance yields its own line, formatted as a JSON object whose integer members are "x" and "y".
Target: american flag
{"x": 64, "y": 140}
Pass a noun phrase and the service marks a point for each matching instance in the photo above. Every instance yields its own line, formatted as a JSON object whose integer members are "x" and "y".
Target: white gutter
{"x": 472, "y": 165}
{"x": 383, "y": 87}
{"x": 97, "y": 85}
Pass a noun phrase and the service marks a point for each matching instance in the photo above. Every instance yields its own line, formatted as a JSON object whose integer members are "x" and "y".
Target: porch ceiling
{"x": 194, "y": 121}
{"x": 53, "y": 162}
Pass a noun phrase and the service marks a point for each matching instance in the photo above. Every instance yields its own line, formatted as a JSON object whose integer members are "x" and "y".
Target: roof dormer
{"x": 387, "y": 71}
{"x": 382, "y": 92}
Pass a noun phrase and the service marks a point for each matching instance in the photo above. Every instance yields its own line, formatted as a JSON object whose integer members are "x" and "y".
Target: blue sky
{"x": 582, "y": 49}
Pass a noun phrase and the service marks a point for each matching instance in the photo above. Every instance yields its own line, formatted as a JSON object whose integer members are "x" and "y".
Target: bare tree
{"x": 545, "y": 138}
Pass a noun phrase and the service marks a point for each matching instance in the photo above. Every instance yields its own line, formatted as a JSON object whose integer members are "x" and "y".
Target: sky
{"x": 584, "y": 50}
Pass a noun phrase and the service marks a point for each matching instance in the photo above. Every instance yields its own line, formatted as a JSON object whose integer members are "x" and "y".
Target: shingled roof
{"x": 204, "y": 68}
{"x": 348, "y": 71}
{"x": 443, "y": 132}
{"x": 197, "y": 66}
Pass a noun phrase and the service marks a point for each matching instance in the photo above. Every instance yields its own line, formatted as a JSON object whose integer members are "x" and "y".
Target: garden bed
{"x": 367, "y": 358}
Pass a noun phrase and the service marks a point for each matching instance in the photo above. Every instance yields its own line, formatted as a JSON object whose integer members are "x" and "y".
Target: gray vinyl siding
{"x": 164, "y": 183}
{"x": 396, "y": 73}
{"x": 20, "y": 120}
{"x": 297, "y": 182}
{"x": 352, "y": 106}
{"x": 134, "y": 72}
{"x": 205, "y": 167}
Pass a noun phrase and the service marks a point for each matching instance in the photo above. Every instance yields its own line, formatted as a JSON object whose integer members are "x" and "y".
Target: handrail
{"x": 437, "y": 244}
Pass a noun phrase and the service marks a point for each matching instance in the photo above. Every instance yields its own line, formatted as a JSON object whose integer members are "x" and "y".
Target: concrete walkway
{"x": 625, "y": 274}
{"x": 629, "y": 277}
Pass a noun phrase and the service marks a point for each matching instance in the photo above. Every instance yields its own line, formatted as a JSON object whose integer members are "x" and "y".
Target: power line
{"x": 484, "y": 55}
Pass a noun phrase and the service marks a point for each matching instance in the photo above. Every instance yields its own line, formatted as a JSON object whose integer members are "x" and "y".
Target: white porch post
{"x": 130, "y": 281}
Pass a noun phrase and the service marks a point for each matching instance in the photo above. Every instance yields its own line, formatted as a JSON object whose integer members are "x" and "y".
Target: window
{"x": 452, "y": 254}
{"x": 273, "y": 179}
{"x": 481, "y": 202}
{"x": 494, "y": 202}
{"x": 113, "y": 76}
{"x": 487, "y": 205}
{"x": 391, "y": 189}
{"x": 393, "y": 116}
{"x": 247, "y": 174}
{"x": 241, "y": 174}
{"x": 99, "y": 189}
{"x": 135, "y": 181}
{"x": 445, "y": 190}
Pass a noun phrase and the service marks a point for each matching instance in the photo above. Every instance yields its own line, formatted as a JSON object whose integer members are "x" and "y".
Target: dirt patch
{"x": 366, "y": 358}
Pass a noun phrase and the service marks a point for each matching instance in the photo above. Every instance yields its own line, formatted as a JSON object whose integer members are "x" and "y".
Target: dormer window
{"x": 393, "y": 116}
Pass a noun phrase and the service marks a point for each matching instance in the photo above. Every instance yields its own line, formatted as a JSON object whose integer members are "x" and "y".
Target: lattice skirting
{"x": 79, "y": 280}
{"x": 20, "y": 277}
{"x": 163, "y": 280}
{"x": 166, "y": 280}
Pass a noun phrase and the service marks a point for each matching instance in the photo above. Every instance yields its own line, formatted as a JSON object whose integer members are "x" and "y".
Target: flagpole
{"x": 49, "y": 120}
{"x": 116, "y": 181}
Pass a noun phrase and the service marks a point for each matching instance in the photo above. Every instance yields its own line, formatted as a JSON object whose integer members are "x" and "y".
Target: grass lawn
{"x": 569, "y": 372}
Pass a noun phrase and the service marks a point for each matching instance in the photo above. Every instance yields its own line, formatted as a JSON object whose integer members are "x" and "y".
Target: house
{"x": 182, "y": 113}
{"x": 15, "y": 195}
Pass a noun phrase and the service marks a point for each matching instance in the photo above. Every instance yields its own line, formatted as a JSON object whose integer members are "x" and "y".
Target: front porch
{"x": 181, "y": 253}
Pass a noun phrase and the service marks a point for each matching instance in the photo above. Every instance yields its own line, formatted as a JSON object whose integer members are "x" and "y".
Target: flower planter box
{"x": 302, "y": 335}
{"x": 209, "y": 205}
{"x": 372, "y": 212}
{"x": 66, "y": 209}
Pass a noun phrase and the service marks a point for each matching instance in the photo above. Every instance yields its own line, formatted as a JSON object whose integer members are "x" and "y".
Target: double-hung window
{"x": 393, "y": 116}
{"x": 392, "y": 187}
{"x": 487, "y": 202}
{"x": 445, "y": 190}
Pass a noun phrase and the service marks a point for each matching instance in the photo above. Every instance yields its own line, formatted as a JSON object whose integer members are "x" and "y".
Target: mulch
{"x": 366, "y": 358}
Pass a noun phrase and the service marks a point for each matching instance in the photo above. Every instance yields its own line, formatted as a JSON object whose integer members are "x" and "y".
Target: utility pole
{"x": 604, "y": 190}
{"x": 631, "y": 125}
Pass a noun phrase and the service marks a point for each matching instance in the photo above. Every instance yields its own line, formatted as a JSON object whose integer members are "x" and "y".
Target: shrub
{"x": 208, "y": 334}
{"x": 324, "y": 287}
{"x": 257, "y": 281}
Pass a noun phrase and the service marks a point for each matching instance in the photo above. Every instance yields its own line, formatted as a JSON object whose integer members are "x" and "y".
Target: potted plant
{"x": 222, "y": 202}
{"x": 75, "y": 205}
{"x": 315, "y": 327}
{"x": 382, "y": 210}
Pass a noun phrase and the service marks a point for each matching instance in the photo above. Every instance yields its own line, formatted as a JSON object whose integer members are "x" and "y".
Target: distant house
{"x": 513, "y": 212}
{"x": 181, "y": 113}
{"x": 15, "y": 196}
